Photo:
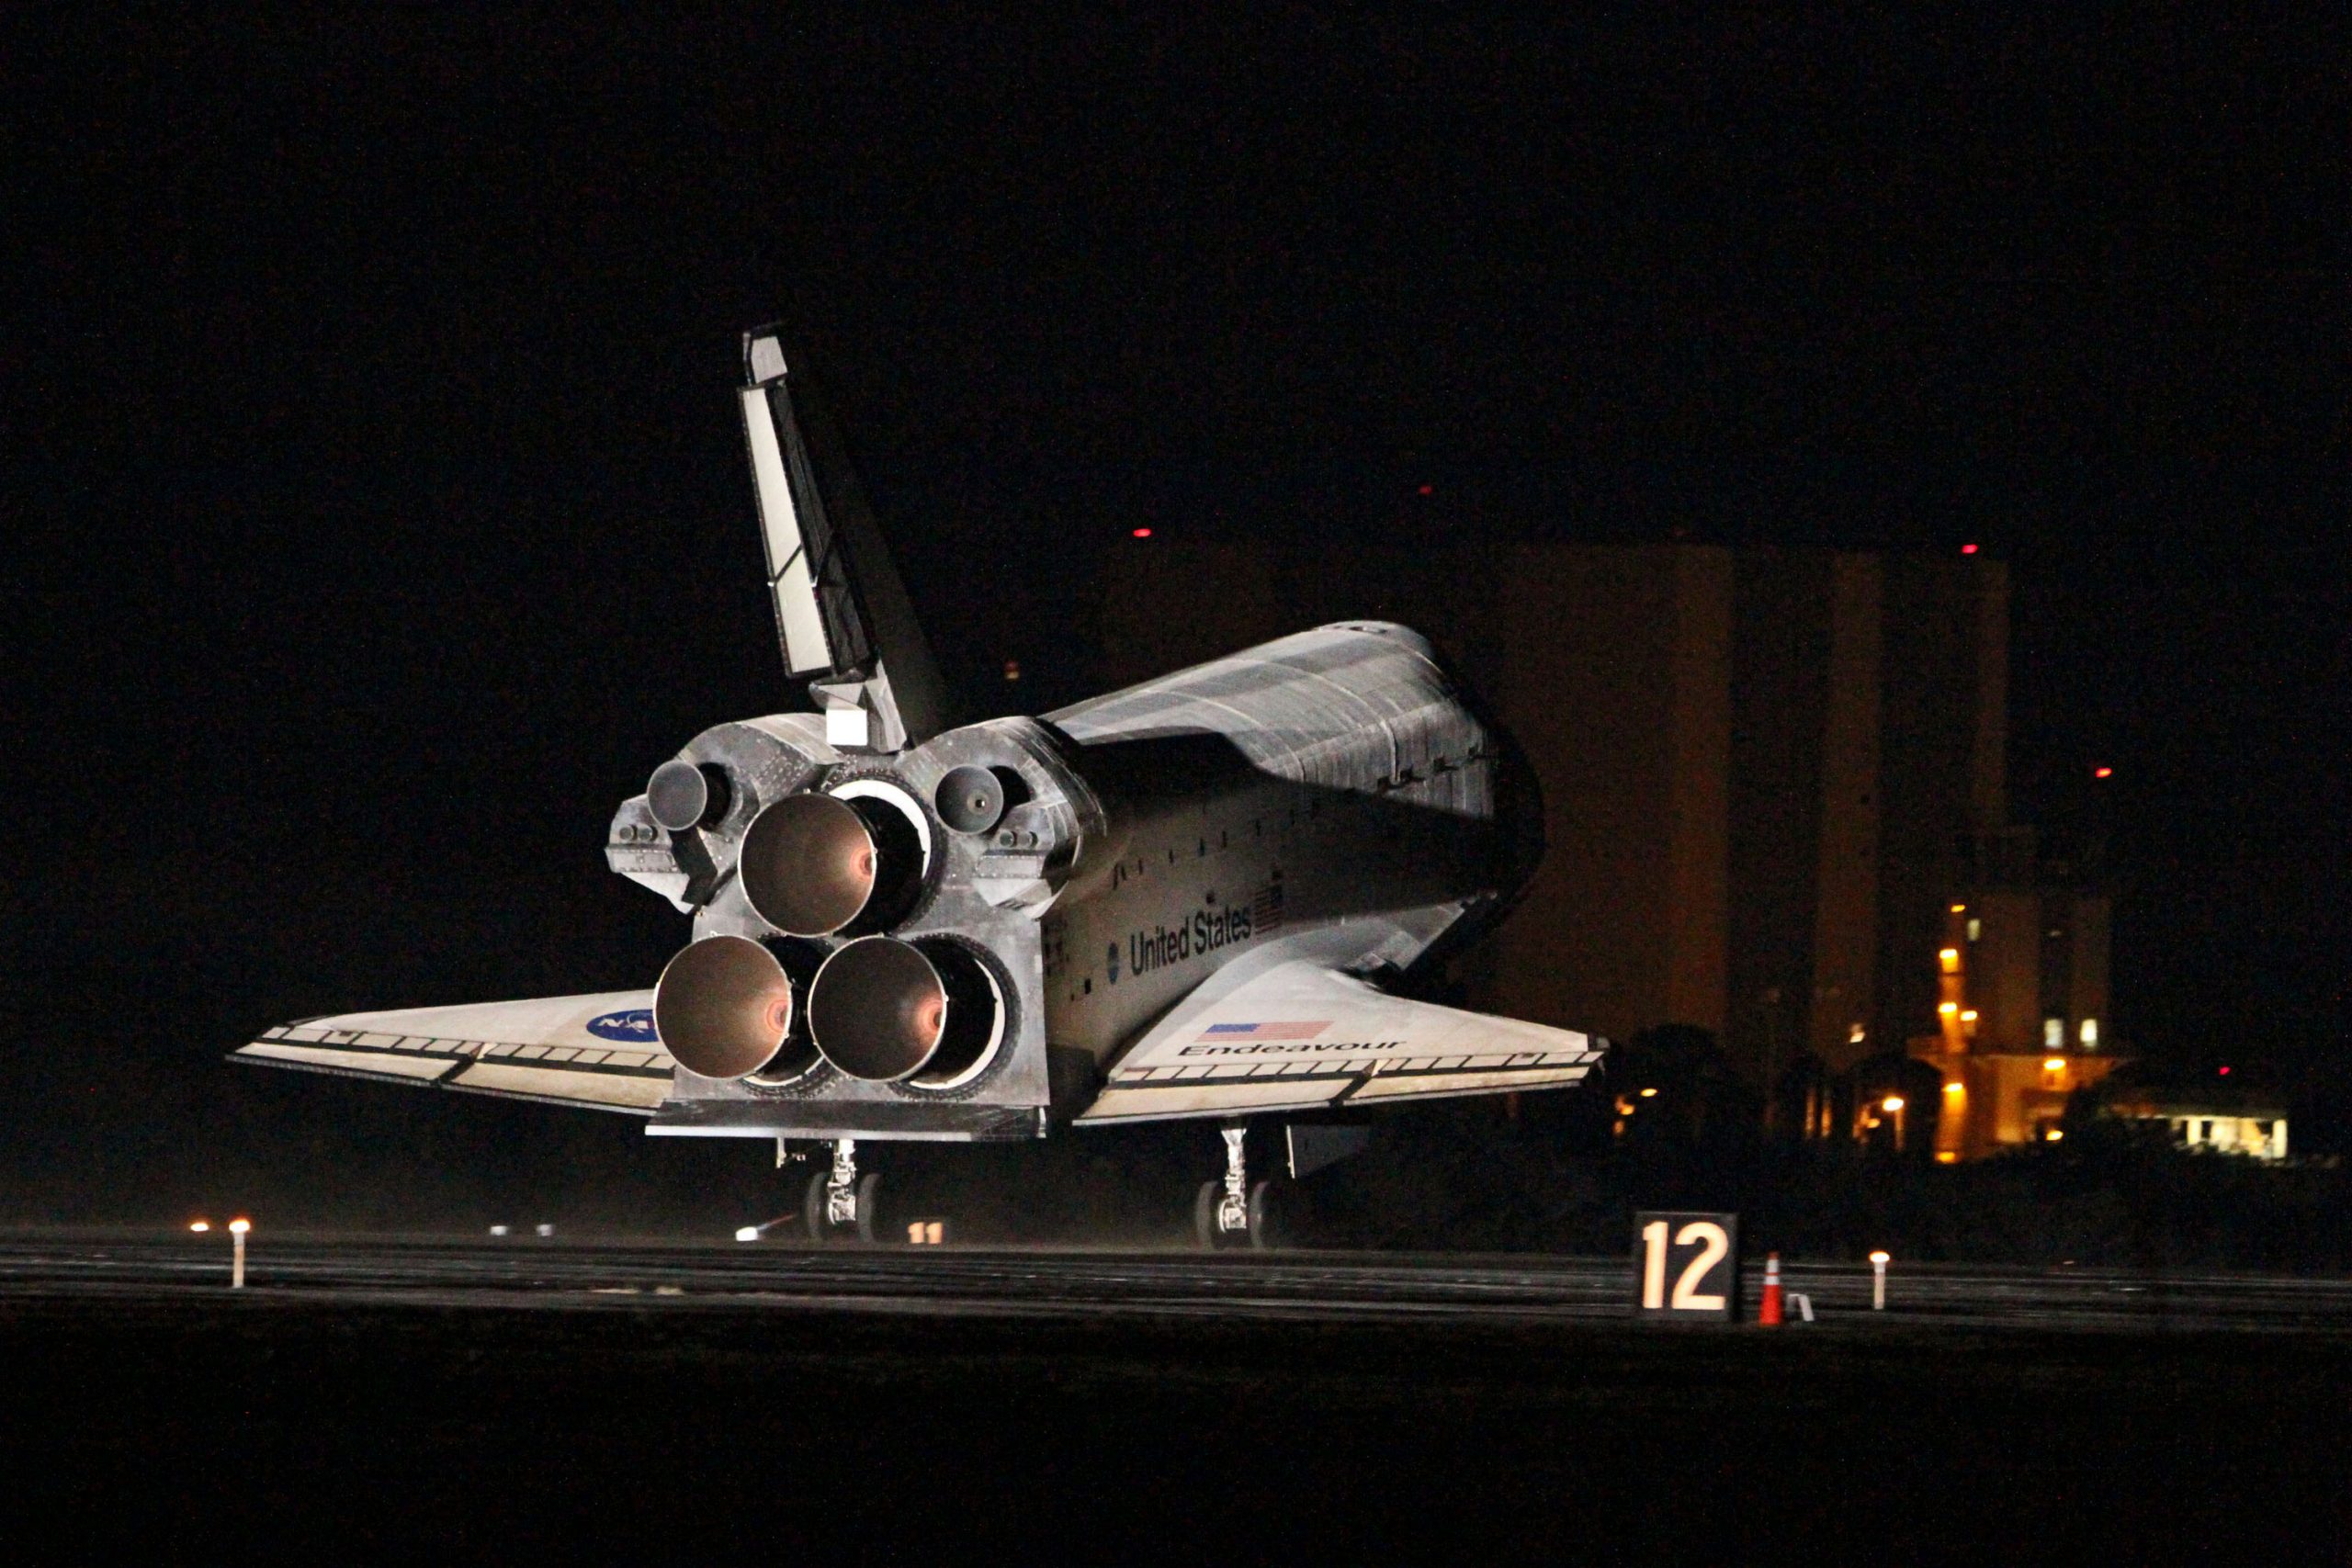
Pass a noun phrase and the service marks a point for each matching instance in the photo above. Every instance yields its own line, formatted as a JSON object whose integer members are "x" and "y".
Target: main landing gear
{"x": 1234, "y": 1213}
{"x": 842, "y": 1204}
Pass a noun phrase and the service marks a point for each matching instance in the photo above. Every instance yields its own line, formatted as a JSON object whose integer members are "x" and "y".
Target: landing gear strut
{"x": 1234, "y": 1213}
{"x": 842, "y": 1204}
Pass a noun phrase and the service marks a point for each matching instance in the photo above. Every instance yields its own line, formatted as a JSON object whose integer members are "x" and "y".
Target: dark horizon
{"x": 387, "y": 523}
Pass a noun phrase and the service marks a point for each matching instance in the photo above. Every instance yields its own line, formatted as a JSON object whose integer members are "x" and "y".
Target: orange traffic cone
{"x": 1769, "y": 1314}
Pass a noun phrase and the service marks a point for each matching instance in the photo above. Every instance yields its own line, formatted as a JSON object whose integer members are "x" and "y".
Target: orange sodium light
{"x": 2102, "y": 773}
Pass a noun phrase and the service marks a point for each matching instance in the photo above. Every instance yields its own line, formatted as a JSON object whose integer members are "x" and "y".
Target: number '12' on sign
{"x": 1686, "y": 1267}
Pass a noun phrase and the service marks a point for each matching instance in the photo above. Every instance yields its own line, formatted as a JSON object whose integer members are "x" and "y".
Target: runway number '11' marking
{"x": 1700, "y": 1253}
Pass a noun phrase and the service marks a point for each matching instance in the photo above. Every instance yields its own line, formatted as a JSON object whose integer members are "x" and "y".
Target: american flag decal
{"x": 1266, "y": 909}
{"x": 1266, "y": 1030}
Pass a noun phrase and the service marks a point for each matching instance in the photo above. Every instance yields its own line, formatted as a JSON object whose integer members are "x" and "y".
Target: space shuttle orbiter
{"x": 1195, "y": 898}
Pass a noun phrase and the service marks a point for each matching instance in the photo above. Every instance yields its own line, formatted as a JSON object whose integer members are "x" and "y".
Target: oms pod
{"x": 728, "y": 1007}
{"x": 927, "y": 1012}
{"x": 815, "y": 864}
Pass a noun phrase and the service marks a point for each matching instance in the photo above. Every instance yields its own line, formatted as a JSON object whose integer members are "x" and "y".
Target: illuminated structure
{"x": 2200, "y": 1125}
{"x": 1770, "y": 775}
{"x": 2022, "y": 977}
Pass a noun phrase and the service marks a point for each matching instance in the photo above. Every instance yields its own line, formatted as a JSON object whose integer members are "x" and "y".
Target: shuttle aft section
{"x": 1206, "y": 896}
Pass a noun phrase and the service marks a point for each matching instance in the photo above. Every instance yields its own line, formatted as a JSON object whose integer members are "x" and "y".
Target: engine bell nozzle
{"x": 683, "y": 795}
{"x": 813, "y": 864}
{"x": 724, "y": 1008}
{"x": 886, "y": 1011}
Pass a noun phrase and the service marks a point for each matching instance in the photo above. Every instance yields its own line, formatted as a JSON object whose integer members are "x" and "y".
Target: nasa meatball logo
{"x": 634, "y": 1027}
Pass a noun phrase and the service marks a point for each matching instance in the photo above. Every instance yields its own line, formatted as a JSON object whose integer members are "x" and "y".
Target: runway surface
{"x": 529, "y": 1272}
{"x": 375, "y": 1397}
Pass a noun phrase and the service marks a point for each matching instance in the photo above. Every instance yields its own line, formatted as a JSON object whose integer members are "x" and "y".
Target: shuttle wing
{"x": 1299, "y": 1036}
{"x": 597, "y": 1051}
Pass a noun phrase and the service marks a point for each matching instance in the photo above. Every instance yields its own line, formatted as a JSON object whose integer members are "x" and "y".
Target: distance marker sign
{"x": 1686, "y": 1267}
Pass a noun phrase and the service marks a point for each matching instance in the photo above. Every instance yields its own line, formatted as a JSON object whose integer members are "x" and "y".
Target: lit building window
{"x": 2090, "y": 1034}
{"x": 1950, "y": 959}
{"x": 1975, "y": 929}
{"x": 2053, "y": 1034}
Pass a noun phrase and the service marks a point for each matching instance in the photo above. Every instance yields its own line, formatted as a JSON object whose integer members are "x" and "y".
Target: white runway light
{"x": 747, "y": 1233}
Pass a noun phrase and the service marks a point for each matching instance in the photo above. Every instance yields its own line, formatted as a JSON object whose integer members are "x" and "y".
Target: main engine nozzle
{"x": 927, "y": 1012}
{"x": 724, "y": 1008}
{"x": 814, "y": 864}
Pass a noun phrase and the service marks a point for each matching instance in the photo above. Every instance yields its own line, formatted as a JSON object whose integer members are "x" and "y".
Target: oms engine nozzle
{"x": 683, "y": 795}
{"x": 815, "y": 864}
{"x": 926, "y": 1012}
{"x": 725, "y": 1006}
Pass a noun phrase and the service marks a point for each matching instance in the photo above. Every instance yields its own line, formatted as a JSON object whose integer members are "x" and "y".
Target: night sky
{"x": 378, "y": 521}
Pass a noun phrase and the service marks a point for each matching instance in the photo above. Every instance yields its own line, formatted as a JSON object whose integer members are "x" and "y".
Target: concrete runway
{"x": 1290, "y": 1286}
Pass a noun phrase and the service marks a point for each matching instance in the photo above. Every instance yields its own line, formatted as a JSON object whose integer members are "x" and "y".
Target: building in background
{"x": 1775, "y": 787}
{"x": 2209, "y": 1123}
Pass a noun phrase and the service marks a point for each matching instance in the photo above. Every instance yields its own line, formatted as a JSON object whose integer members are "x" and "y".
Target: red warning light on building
{"x": 1968, "y": 550}
{"x": 1143, "y": 533}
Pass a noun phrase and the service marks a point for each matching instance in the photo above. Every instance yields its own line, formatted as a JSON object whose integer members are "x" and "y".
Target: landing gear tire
{"x": 1204, "y": 1204}
{"x": 1270, "y": 1215}
{"x": 1269, "y": 1208}
{"x": 823, "y": 1231}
